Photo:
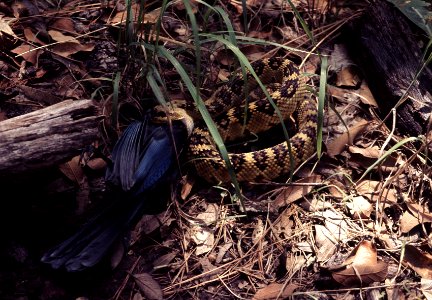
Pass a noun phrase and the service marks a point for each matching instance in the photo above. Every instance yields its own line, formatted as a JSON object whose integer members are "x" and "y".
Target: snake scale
{"x": 288, "y": 90}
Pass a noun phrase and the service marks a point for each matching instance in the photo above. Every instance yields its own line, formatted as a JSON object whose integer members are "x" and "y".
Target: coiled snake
{"x": 288, "y": 91}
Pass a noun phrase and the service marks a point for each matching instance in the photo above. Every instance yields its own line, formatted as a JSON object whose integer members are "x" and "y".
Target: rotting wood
{"x": 48, "y": 136}
{"x": 387, "y": 48}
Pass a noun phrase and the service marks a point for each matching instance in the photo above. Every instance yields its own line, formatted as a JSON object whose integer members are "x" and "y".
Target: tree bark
{"x": 386, "y": 45}
{"x": 48, "y": 136}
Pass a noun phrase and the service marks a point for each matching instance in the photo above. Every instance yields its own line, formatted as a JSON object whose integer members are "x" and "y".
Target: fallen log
{"x": 47, "y": 137}
{"x": 387, "y": 47}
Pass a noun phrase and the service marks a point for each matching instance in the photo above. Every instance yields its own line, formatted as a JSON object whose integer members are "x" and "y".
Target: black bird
{"x": 144, "y": 160}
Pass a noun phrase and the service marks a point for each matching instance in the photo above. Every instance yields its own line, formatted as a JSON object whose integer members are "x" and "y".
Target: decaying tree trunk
{"x": 48, "y": 136}
{"x": 388, "y": 50}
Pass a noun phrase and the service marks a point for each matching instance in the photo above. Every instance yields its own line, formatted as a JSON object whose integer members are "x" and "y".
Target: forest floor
{"x": 353, "y": 223}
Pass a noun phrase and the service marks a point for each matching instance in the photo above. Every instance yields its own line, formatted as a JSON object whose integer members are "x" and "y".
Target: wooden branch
{"x": 386, "y": 46}
{"x": 48, "y": 136}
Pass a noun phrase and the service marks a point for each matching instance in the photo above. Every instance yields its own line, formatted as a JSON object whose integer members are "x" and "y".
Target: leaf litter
{"x": 324, "y": 233}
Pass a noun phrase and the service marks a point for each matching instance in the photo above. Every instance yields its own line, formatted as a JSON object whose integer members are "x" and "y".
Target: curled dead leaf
{"x": 420, "y": 212}
{"x": 361, "y": 267}
{"x": 372, "y": 189}
{"x": 419, "y": 261}
{"x": 148, "y": 286}
{"x": 408, "y": 222}
{"x": 273, "y": 290}
{"x": 203, "y": 238}
{"x": 360, "y": 208}
{"x": 73, "y": 170}
{"x": 348, "y": 76}
{"x": 325, "y": 243}
{"x": 338, "y": 145}
{"x": 294, "y": 192}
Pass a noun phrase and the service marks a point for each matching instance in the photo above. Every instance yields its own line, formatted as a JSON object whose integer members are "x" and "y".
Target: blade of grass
{"x": 203, "y": 110}
{"x": 321, "y": 102}
{"x": 114, "y": 109}
{"x": 302, "y": 22}
{"x": 211, "y": 126}
{"x": 387, "y": 153}
{"x": 156, "y": 88}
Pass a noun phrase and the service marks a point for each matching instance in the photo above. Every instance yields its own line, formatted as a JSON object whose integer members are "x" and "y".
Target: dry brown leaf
{"x": 208, "y": 268}
{"x": 325, "y": 243}
{"x": 5, "y": 28}
{"x": 419, "y": 261}
{"x": 365, "y": 95}
{"x": 43, "y": 96}
{"x": 68, "y": 48}
{"x": 136, "y": 296}
{"x": 26, "y": 52}
{"x": 393, "y": 291}
{"x": 64, "y": 24}
{"x": 348, "y": 77}
{"x": 203, "y": 238}
{"x": 118, "y": 251}
{"x": 148, "y": 286}
{"x": 149, "y": 17}
{"x": 273, "y": 290}
{"x": 336, "y": 188}
{"x": 284, "y": 225}
{"x": 164, "y": 260}
{"x": 31, "y": 37}
{"x": 293, "y": 263}
{"x": 211, "y": 214}
{"x": 419, "y": 212}
{"x": 188, "y": 183}
{"x": 224, "y": 57}
{"x": 361, "y": 267}
{"x": 372, "y": 189}
{"x": 3, "y": 116}
{"x": 368, "y": 156}
{"x": 336, "y": 224}
{"x": 258, "y": 232}
{"x": 360, "y": 208}
{"x": 371, "y": 152}
{"x": 294, "y": 192}
{"x": 73, "y": 170}
{"x": 223, "y": 249}
{"x": 96, "y": 163}
{"x": 336, "y": 146}
{"x": 315, "y": 204}
{"x": 60, "y": 37}
{"x": 408, "y": 222}
{"x": 426, "y": 288}
{"x": 148, "y": 224}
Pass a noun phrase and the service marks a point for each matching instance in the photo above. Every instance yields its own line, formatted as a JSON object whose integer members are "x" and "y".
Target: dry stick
{"x": 233, "y": 262}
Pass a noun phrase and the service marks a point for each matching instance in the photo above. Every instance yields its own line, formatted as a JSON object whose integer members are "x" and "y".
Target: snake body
{"x": 227, "y": 107}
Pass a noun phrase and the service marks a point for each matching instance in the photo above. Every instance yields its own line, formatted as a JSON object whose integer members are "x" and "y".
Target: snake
{"x": 236, "y": 117}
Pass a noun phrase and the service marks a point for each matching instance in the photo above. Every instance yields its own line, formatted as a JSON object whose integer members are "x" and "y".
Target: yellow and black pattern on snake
{"x": 267, "y": 164}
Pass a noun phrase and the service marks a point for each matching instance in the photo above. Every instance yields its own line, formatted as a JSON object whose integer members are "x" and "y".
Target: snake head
{"x": 165, "y": 114}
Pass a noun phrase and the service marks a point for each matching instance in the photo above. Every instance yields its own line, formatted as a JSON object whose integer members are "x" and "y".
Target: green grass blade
{"x": 156, "y": 88}
{"x": 203, "y": 110}
{"x": 321, "y": 102}
{"x": 114, "y": 109}
{"x": 387, "y": 153}
{"x": 302, "y": 22}
{"x": 211, "y": 126}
